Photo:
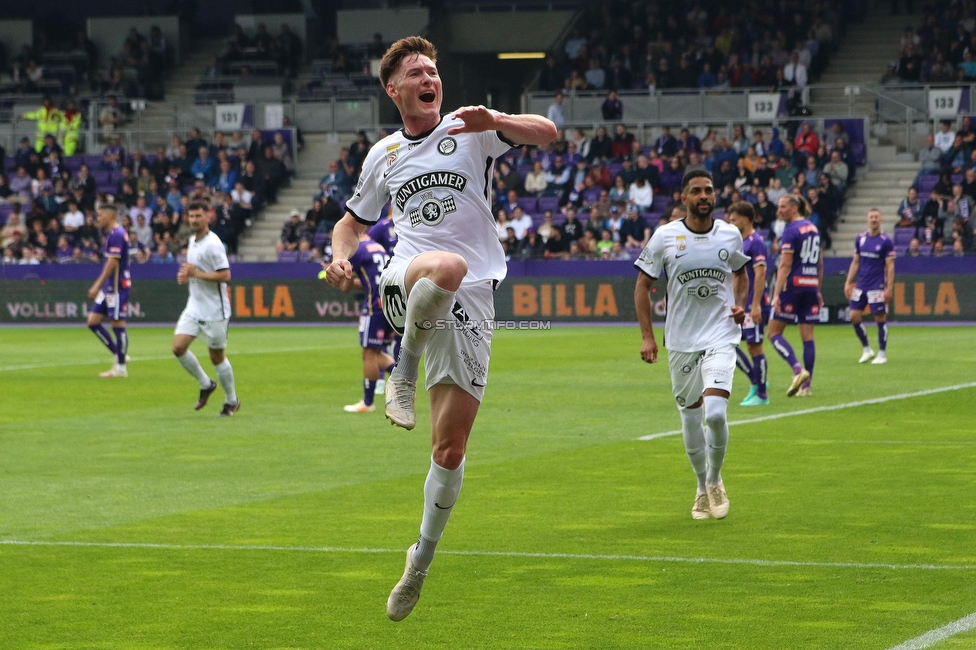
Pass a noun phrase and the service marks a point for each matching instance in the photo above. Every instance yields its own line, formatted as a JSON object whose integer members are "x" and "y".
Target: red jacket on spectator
{"x": 807, "y": 141}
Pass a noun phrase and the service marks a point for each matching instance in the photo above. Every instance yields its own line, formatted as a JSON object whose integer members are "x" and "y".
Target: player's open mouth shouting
{"x": 428, "y": 96}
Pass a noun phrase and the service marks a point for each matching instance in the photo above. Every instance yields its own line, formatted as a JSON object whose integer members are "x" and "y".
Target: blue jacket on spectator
{"x": 203, "y": 169}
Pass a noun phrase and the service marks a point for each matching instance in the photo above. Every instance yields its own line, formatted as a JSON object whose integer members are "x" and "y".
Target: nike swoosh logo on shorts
{"x": 476, "y": 384}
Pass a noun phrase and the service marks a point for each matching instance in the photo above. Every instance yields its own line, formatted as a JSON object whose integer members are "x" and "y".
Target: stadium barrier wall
{"x": 925, "y": 290}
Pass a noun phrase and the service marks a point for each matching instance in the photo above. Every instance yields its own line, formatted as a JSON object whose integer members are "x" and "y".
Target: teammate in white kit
{"x": 207, "y": 312}
{"x": 707, "y": 288}
{"x": 437, "y": 288}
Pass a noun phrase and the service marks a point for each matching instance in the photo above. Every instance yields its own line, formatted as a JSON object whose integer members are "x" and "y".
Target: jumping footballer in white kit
{"x": 438, "y": 287}
{"x": 707, "y": 288}
{"x": 207, "y": 312}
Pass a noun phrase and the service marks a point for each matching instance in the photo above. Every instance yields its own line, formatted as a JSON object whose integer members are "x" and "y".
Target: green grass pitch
{"x": 285, "y": 526}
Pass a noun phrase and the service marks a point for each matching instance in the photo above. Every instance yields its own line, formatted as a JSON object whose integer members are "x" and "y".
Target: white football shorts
{"x": 459, "y": 350}
{"x": 693, "y": 372}
{"x": 214, "y": 331}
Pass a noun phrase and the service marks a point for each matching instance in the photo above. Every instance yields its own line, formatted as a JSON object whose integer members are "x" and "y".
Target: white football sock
{"x": 192, "y": 365}
{"x": 426, "y": 304}
{"x": 717, "y": 435}
{"x": 225, "y": 374}
{"x": 441, "y": 491}
{"x": 694, "y": 437}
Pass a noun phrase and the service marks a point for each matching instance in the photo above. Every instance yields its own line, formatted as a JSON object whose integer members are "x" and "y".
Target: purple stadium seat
{"x": 901, "y": 250}
{"x": 549, "y": 203}
{"x": 5, "y": 211}
{"x": 523, "y": 169}
{"x": 304, "y": 256}
{"x": 320, "y": 239}
{"x": 93, "y": 160}
{"x": 288, "y": 256}
{"x": 73, "y": 163}
{"x": 903, "y": 236}
{"x": 528, "y": 203}
{"x": 614, "y": 168}
{"x": 9, "y": 165}
{"x": 925, "y": 250}
{"x": 719, "y": 215}
{"x": 660, "y": 202}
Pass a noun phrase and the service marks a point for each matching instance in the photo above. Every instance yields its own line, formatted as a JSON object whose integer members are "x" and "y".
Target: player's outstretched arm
{"x": 642, "y": 302}
{"x": 345, "y": 242}
{"x": 523, "y": 129}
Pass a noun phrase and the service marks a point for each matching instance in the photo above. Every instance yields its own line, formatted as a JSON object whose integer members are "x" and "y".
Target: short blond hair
{"x": 400, "y": 50}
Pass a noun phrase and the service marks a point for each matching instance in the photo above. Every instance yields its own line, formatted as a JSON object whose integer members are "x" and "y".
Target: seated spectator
{"x": 5, "y": 191}
{"x": 943, "y": 186}
{"x": 501, "y": 224}
{"x": 244, "y": 207}
{"x": 955, "y": 158}
{"x": 274, "y": 175}
{"x": 510, "y": 243}
{"x": 546, "y": 227}
{"x": 13, "y": 227}
{"x": 520, "y": 222}
{"x": 162, "y": 255}
{"x": 666, "y": 145}
{"x": 605, "y": 245}
{"x": 324, "y": 214}
{"x": 532, "y": 246}
{"x": 511, "y": 177}
{"x": 113, "y": 156}
{"x": 812, "y": 174}
{"x": 143, "y": 231}
{"x": 557, "y": 179}
{"x": 556, "y": 247}
{"x": 945, "y": 137}
{"x": 601, "y": 146}
{"x": 225, "y": 179}
{"x": 634, "y": 231}
{"x": 670, "y": 178}
{"x": 203, "y": 168}
{"x": 909, "y": 209}
{"x": 572, "y": 229}
{"x": 743, "y": 177}
{"x": 292, "y": 233}
{"x": 21, "y": 185}
{"x": 641, "y": 195}
{"x": 619, "y": 192}
{"x": 535, "y": 181}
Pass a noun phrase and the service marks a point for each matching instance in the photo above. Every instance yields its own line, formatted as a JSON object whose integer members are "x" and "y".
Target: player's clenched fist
{"x": 649, "y": 351}
{"x": 337, "y": 272}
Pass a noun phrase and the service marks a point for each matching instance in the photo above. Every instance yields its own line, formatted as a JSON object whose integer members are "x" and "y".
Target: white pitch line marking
{"x": 833, "y": 407}
{"x": 939, "y": 634}
{"x": 513, "y": 554}
{"x": 237, "y": 353}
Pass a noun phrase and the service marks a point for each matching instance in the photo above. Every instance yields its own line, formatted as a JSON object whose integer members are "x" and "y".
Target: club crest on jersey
{"x": 447, "y": 146}
{"x": 432, "y": 210}
{"x": 723, "y": 254}
{"x": 392, "y": 152}
{"x": 681, "y": 243}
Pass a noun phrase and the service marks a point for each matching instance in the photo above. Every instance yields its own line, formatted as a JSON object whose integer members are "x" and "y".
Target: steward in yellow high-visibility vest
{"x": 70, "y": 128}
{"x": 48, "y": 120}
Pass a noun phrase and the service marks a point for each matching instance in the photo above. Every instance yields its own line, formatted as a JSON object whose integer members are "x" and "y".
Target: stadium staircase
{"x": 158, "y": 119}
{"x": 312, "y": 164}
{"x": 863, "y": 58}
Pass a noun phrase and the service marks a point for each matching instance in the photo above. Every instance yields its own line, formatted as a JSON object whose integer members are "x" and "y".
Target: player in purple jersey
{"x": 384, "y": 234}
{"x": 869, "y": 284}
{"x": 111, "y": 292}
{"x": 375, "y": 332}
{"x": 741, "y": 215}
{"x": 797, "y": 298}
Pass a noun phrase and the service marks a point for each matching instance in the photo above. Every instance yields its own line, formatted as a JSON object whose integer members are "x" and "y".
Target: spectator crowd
{"x": 671, "y": 44}
{"x": 48, "y": 201}
{"x": 600, "y": 196}
{"x": 938, "y": 215}
{"x": 942, "y": 49}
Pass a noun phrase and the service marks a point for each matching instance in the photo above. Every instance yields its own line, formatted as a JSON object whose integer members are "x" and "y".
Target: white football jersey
{"x": 439, "y": 186}
{"x": 699, "y": 267}
{"x": 208, "y": 301}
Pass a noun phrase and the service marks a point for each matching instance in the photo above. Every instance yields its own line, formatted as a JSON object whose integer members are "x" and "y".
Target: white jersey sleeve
{"x": 371, "y": 192}
{"x": 651, "y": 259}
{"x": 738, "y": 257}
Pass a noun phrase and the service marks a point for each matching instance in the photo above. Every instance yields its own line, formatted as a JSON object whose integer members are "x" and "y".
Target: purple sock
{"x": 785, "y": 350}
{"x": 882, "y": 336}
{"x": 862, "y": 334}
{"x": 742, "y": 363}
{"x": 369, "y": 388}
{"x": 102, "y": 333}
{"x": 390, "y": 368}
{"x": 122, "y": 344}
{"x": 809, "y": 356}
{"x": 760, "y": 369}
